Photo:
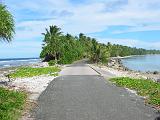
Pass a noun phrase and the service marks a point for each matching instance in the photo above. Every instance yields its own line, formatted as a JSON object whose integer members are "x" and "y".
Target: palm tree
{"x": 95, "y": 51}
{"x": 6, "y": 24}
{"x": 52, "y": 41}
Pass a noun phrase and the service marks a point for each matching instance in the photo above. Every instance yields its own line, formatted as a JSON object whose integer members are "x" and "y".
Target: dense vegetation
{"x": 6, "y": 24}
{"x": 30, "y": 72}
{"x": 146, "y": 88}
{"x": 67, "y": 48}
{"x": 11, "y": 104}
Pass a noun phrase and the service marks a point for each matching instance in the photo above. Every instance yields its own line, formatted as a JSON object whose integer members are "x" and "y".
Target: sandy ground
{"x": 121, "y": 73}
{"x": 34, "y": 85}
{"x": 132, "y": 74}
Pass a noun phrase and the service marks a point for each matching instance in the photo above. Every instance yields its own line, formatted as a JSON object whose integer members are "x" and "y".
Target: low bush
{"x": 30, "y": 72}
{"x": 51, "y": 62}
{"x": 11, "y": 104}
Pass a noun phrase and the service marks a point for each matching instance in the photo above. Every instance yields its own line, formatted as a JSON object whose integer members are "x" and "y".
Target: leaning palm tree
{"x": 6, "y": 24}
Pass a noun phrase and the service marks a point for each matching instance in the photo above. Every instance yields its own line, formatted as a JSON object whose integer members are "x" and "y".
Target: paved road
{"x": 80, "y": 93}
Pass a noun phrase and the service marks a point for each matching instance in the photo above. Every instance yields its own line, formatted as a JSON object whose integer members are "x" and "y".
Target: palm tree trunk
{"x": 55, "y": 57}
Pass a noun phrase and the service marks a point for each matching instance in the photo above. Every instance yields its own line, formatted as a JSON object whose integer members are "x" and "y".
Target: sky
{"x": 134, "y": 23}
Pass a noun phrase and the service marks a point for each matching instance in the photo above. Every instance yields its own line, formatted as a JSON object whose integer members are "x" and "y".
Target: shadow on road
{"x": 157, "y": 118}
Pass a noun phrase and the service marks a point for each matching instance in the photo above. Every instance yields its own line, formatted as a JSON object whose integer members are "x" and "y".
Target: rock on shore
{"x": 116, "y": 63}
{"x": 116, "y": 67}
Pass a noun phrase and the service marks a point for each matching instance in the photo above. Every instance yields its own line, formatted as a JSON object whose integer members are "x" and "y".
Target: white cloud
{"x": 33, "y": 29}
{"x": 92, "y": 17}
{"x": 133, "y": 43}
{"x": 138, "y": 29}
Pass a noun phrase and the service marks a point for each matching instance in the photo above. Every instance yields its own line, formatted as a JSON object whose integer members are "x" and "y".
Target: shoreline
{"x": 28, "y": 84}
{"x": 125, "y": 57}
{"x": 132, "y": 56}
{"x": 8, "y": 63}
{"x": 119, "y": 57}
{"x": 116, "y": 67}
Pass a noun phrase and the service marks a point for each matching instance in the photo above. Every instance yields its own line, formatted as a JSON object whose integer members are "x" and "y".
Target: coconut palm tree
{"x": 6, "y": 24}
{"x": 52, "y": 41}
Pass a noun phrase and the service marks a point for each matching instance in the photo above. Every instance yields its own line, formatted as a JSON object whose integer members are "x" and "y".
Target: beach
{"x": 116, "y": 67}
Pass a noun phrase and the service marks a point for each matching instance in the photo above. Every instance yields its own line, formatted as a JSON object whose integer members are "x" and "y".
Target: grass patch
{"x": 11, "y": 104}
{"x": 143, "y": 87}
{"x": 30, "y": 72}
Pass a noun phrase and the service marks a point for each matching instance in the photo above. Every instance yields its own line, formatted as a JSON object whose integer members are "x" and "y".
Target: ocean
{"x": 143, "y": 63}
{"x": 13, "y": 62}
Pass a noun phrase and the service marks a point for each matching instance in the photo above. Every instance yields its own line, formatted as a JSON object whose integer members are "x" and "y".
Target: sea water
{"x": 13, "y": 62}
{"x": 143, "y": 63}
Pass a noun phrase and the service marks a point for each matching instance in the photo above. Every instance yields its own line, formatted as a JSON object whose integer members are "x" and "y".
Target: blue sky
{"x": 135, "y": 23}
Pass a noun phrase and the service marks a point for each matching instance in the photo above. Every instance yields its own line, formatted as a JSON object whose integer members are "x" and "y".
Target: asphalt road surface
{"x": 80, "y": 93}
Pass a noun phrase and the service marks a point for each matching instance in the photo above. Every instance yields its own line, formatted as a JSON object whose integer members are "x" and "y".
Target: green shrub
{"x": 11, "y": 104}
{"x": 30, "y": 72}
{"x": 52, "y": 62}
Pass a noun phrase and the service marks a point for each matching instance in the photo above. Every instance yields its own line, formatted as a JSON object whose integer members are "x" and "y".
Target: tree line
{"x": 65, "y": 48}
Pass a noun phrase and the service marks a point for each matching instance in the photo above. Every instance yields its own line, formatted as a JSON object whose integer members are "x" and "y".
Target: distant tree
{"x": 6, "y": 24}
{"x": 95, "y": 55}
